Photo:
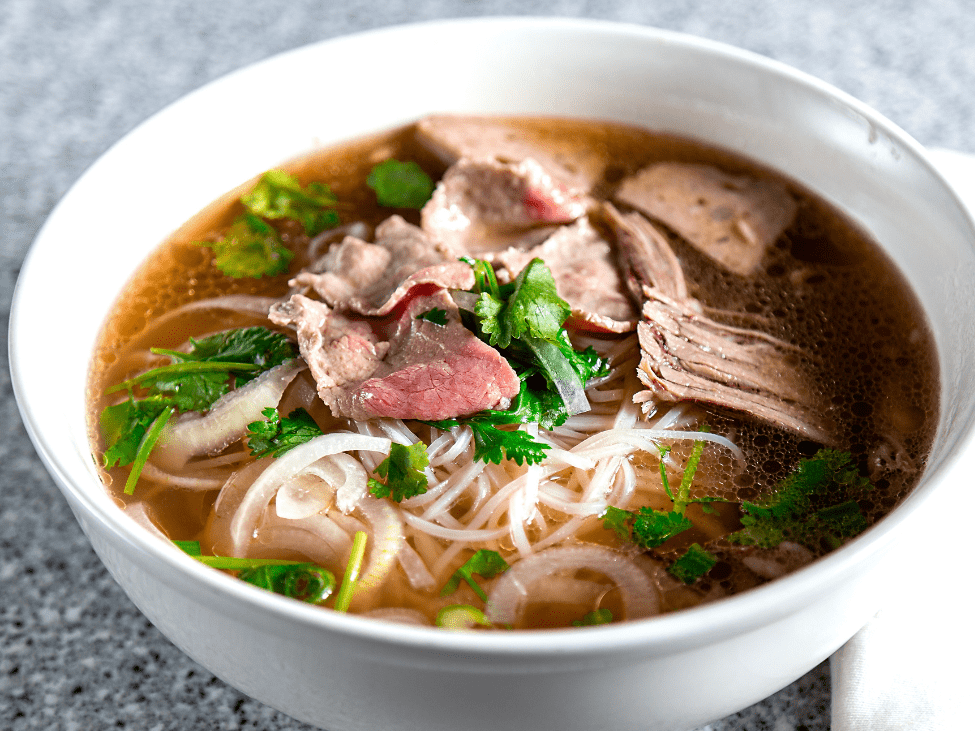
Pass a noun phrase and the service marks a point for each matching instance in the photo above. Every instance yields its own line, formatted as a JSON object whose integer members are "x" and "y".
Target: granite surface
{"x": 75, "y": 75}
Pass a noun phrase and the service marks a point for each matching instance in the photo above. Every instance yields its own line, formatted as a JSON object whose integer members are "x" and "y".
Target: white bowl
{"x": 343, "y": 672}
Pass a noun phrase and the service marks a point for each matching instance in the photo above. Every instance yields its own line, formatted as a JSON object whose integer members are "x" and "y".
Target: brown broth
{"x": 825, "y": 287}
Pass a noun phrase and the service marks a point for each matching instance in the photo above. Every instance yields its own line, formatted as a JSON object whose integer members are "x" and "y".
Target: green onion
{"x": 461, "y": 617}
{"x": 145, "y": 448}
{"x": 344, "y": 597}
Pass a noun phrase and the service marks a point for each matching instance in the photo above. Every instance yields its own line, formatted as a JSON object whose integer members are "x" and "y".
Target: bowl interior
{"x": 202, "y": 146}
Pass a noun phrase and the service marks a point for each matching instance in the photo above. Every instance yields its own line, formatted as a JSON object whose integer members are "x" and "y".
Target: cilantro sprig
{"x": 816, "y": 503}
{"x": 402, "y": 471}
{"x": 400, "y": 184}
{"x": 484, "y": 563}
{"x": 251, "y": 247}
{"x": 280, "y": 195}
{"x": 193, "y": 381}
{"x": 524, "y": 319}
{"x": 299, "y": 580}
{"x": 276, "y": 435}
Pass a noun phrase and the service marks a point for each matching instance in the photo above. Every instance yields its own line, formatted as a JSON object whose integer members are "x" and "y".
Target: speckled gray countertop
{"x": 75, "y": 75}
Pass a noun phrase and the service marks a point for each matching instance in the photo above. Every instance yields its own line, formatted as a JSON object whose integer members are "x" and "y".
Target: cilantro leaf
{"x": 402, "y": 471}
{"x": 123, "y": 427}
{"x": 280, "y": 195}
{"x": 693, "y": 564}
{"x": 646, "y": 527}
{"x": 816, "y": 503}
{"x": 192, "y": 382}
{"x": 275, "y": 435}
{"x": 250, "y": 248}
{"x": 256, "y": 345}
{"x": 484, "y": 563}
{"x": 400, "y": 184}
{"x": 533, "y": 308}
{"x": 436, "y": 315}
{"x": 306, "y": 582}
{"x": 593, "y": 618}
{"x": 299, "y": 580}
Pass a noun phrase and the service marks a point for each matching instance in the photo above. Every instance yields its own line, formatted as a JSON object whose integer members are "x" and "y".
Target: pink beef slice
{"x": 733, "y": 219}
{"x": 339, "y": 351}
{"x": 372, "y": 279}
{"x": 586, "y": 275}
{"x": 484, "y": 205}
{"x": 432, "y": 371}
{"x": 452, "y": 137}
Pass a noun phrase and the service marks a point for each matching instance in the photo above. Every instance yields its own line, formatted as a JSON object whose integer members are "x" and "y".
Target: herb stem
{"x": 145, "y": 448}
{"x": 344, "y": 598}
{"x": 179, "y": 369}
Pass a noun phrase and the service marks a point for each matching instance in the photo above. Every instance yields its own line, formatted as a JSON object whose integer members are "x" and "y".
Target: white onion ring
{"x": 510, "y": 592}
{"x": 258, "y": 496}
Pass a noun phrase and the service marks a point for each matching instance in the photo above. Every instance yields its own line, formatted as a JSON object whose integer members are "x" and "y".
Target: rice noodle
{"x": 509, "y": 595}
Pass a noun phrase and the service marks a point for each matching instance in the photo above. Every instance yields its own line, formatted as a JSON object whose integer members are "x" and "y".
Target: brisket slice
{"x": 432, "y": 371}
{"x": 426, "y": 371}
{"x": 733, "y": 219}
{"x": 586, "y": 275}
{"x": 372, "y": 279}
{"x": 484, "y": 205}
{"x": 339, "y": 352}
{"x": 686, "y": 355}
{"x": 453, "y": 137}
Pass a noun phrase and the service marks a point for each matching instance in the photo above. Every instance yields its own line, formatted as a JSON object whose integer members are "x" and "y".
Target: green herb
{"x": 484, "y": 563}
{"x": 593, "y": 618}
{"x": 693, "y": 564}
{"x": 525, "y": 319}
{"x": 192, "y": 382}
{"x": 280, "y": 195}
{"x": 461, "y": 617}
{"x": 304, "y": 581}
{"x": 646, "y": 527}
{"x": 124, "y": 425}
{"x": 351, "y": 577}
{"x": 816, "y": 503}
{"x": 275, "y": 435}
{"x": 250, "y": 248}
{"x": 400, "y": 184}
{"x": 145, "y": 448}
{"x": 649, "y": 528}
{"x": 532, "y": 308}
{"x": 437, "y": 316}
{"x": 402, "y": 471}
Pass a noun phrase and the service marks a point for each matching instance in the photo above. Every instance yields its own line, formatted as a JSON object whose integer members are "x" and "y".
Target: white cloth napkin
{"x": 912, "y": 667}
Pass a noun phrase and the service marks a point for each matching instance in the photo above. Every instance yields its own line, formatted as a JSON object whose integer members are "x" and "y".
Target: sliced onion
{"x": 226, "y": 422}
{"x": 415, "y": 569}
{"x": 510, "y": 593}
{"x": 401, "y": 615}
{"x": 386, "y": 540}
{"x": 253, "y": 504}
{"x": 338, "y": 477}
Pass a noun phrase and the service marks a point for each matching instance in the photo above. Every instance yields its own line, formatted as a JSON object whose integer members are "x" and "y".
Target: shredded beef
{"x": 686, "y": 355}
